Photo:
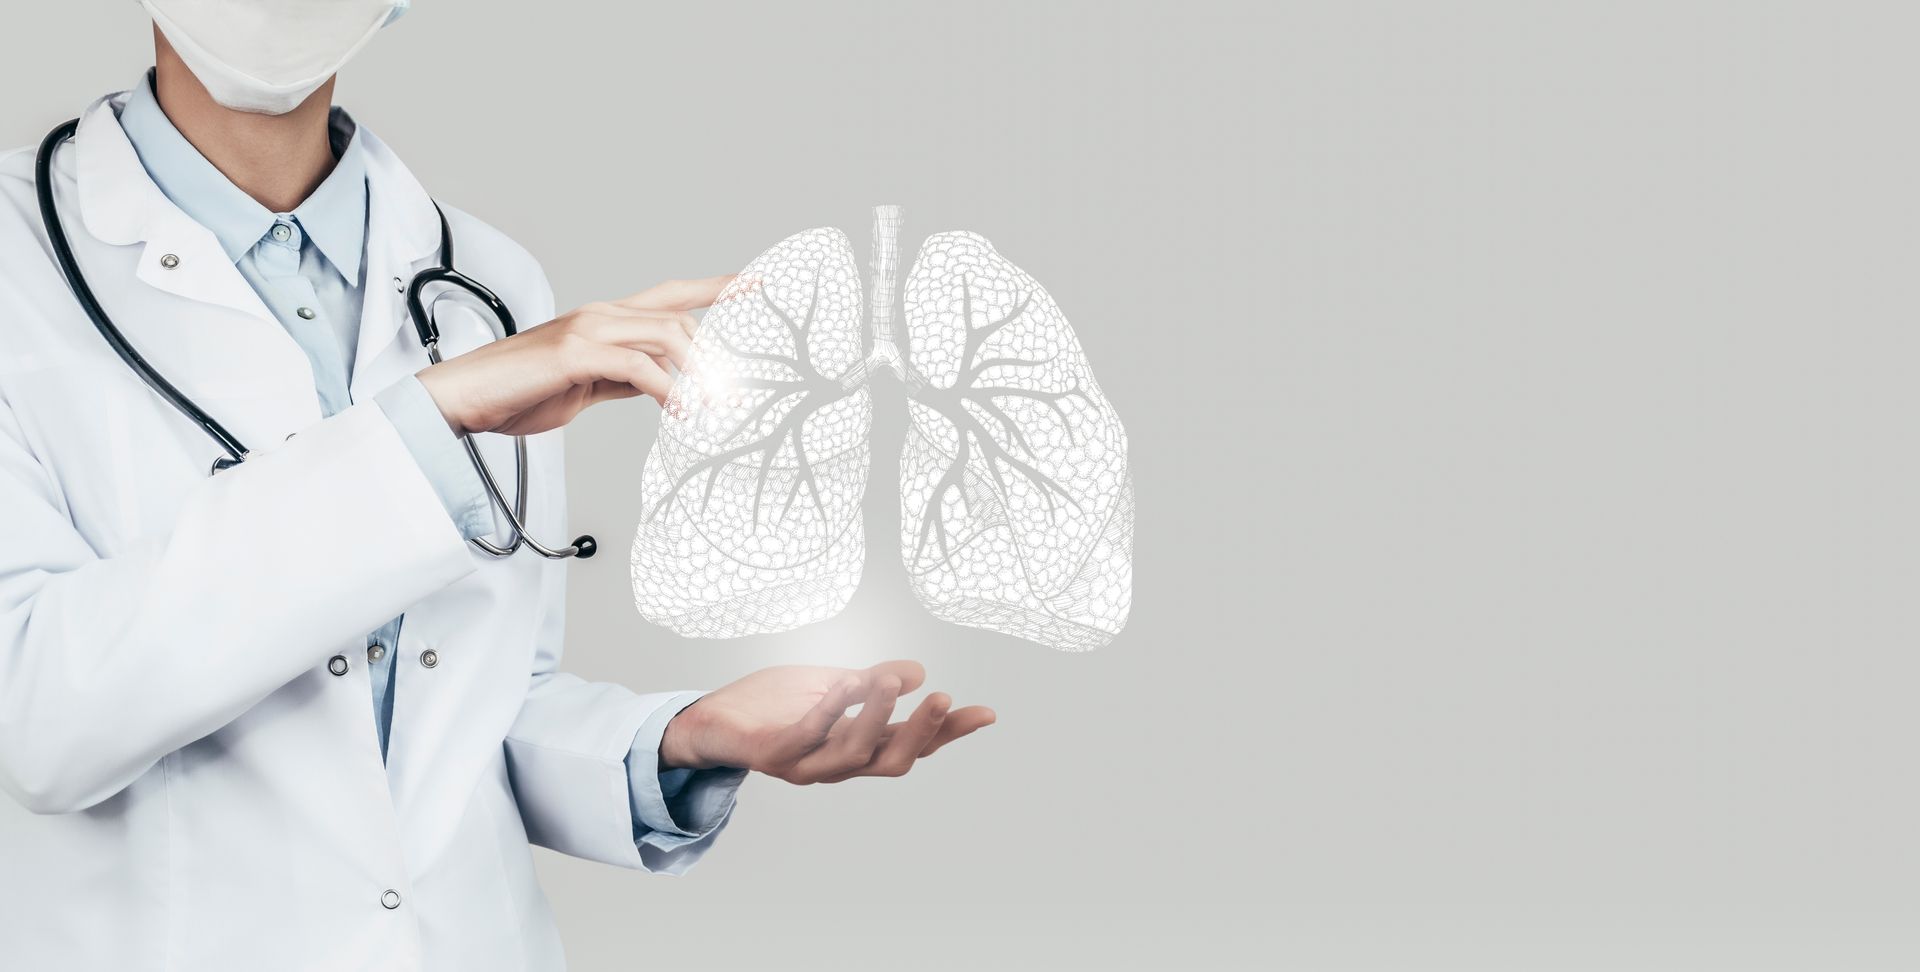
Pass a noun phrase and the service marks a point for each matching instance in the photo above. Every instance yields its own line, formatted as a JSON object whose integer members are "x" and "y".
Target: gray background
{"x": 1520, "y": 402}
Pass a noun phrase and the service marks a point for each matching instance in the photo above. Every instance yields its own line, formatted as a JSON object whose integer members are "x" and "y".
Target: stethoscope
{"x": 423, "y": 324}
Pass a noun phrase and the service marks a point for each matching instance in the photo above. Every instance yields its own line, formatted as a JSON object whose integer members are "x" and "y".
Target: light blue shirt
{"x": 309, "y": 267}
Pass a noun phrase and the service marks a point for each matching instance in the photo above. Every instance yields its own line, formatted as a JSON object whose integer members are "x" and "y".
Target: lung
{"x": 1016, "y": 502}
{"x": 751, "y": 497}
{"x": 1016, "y": 499}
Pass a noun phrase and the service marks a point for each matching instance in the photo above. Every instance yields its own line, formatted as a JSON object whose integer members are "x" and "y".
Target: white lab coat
{"x": 191, "y": 787}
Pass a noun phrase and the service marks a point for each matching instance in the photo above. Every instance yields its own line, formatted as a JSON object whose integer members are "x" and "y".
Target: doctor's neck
{"x": 277, "y": 159}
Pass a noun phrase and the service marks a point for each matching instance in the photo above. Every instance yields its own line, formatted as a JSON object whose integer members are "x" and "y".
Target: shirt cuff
{"x": 676, "y": 808}
{"x": 439, "y": 453}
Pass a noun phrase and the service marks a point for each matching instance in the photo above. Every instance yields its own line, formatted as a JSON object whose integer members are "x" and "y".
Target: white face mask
{"x": 267, "y": 56}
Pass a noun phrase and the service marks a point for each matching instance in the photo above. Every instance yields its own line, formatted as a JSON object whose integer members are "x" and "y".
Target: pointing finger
{"x": 679, "y": 295}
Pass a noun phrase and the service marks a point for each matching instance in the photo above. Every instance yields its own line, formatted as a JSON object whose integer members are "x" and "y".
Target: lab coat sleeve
{"x": 439, "y": 453}
{"x": 676, "y": 811}
{"x": 107, "y": 664}
{"x": 567, "y": 752}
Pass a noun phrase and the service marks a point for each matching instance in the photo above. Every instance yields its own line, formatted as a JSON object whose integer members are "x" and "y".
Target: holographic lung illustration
{"x": 752, "y": 494}
{"x": 1016, "y": 498}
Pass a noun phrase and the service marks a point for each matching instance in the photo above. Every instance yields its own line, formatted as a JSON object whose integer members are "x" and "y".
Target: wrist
{"x": 431, "y": 379}
{"x": 678, "y": 749}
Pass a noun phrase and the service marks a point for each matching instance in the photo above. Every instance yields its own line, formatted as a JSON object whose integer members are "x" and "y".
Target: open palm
{"x": 790, "y": 721}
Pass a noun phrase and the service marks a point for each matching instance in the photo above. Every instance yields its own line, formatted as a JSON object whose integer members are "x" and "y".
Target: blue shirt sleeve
{"x": 439, "y": 454}
{"x": 676, "y": 808}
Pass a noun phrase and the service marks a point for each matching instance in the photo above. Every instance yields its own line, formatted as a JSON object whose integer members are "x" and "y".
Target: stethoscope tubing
{"x": 77, "y": 282}
{"x": 424, "y": 324}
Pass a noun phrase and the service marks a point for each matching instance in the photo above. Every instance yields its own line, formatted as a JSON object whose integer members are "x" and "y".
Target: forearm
{"x": 106, "y": 665}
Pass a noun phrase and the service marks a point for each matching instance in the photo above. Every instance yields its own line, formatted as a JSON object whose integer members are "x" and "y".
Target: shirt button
{"x": 306, "y": 313}
{"x": 337, "y": 664}
{"x": 390, "y": 899}
{"x": 376, "y": 652}
{"x": 282, "y": 232}
{"x": 429, "y": 658}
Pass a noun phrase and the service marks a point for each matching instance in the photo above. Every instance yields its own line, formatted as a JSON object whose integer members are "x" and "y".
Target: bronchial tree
{"x": 1015, "y": 493}
{"x": 752, "y": 493}
{"x": 773, "y": 427}
{"x": 968, "y": 406}
{"x": 1016, "y": 499}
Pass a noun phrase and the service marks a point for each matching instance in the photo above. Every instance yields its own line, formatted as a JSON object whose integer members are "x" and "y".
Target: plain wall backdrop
{"x": 1521, "y": 400}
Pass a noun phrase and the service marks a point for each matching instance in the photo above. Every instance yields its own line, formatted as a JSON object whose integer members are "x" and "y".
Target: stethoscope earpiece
{"x": 584, "y": 546}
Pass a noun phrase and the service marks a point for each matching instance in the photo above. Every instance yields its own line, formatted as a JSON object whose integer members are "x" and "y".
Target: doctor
{"x": 287, "y": 716}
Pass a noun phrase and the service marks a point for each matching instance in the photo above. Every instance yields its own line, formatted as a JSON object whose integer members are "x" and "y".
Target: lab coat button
{"x": 337, "y": 664}
{"x": 306, "y": 313}
{"x": 399, "y": 285}
{"x": 390, "y": 900}
{"x": 376, "y": 652}
{"x": 429, "y": 658}
{"x": 169, "y": 261}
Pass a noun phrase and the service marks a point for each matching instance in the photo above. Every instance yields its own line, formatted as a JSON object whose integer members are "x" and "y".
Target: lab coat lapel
{"x": 121, "y": 206}
{"x": 175, "y": 294}
{"x": 403, "y": 237}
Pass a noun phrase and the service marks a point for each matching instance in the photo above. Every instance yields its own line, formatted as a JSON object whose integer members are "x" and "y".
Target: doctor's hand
{"x": 542, "y": 377}
{"x": 790, "y": 722}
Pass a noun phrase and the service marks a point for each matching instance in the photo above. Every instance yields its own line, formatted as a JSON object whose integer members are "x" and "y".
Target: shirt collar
{"x": 334, "y": 216}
